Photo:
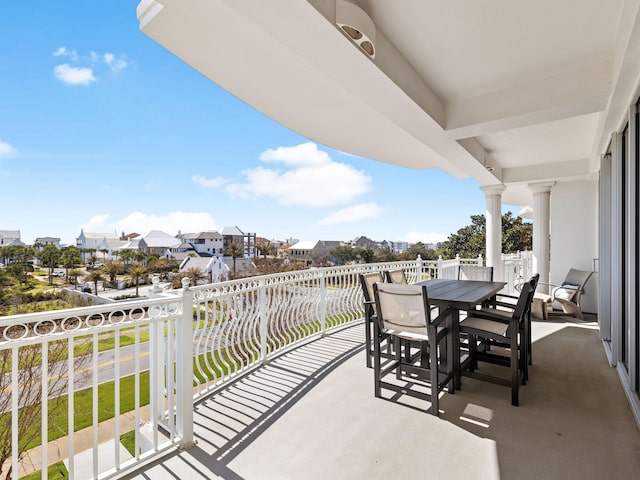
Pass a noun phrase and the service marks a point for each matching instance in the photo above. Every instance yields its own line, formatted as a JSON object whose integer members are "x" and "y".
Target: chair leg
{"x": 377, "y": 389}
{"x": 368, "y": 325}
{"x": 515, "y": 369}
{"x": 433, "y": 369}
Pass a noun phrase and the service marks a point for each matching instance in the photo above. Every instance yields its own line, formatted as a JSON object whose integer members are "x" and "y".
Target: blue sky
{"x": 103, "y": 129}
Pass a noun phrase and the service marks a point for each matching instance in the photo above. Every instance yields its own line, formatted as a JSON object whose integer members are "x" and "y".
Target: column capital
{"x": 541, "y": 187}
{"x": 493, "y": 190}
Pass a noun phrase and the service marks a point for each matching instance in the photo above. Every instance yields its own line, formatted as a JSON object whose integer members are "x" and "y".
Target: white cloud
{"x": 114, "y": 62}
{"x": 209, "y": 182}
{"x": 424, "y": 237}
{"x": 7, "y": 150}
{"x": 97, "y": 223}
{"x": 170, "y": 222}
{"x": 305, "y": 154}
{"x": 314, "y": 181}
{"x": 355, "y": 213}
{"x": 74, "y": 75}
{"x": 64, "y": 52}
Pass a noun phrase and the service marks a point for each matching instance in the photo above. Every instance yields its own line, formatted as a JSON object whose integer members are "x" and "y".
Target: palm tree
{"x": 136, "y": 272}
{"x": 49, "y": 256}
{"x": 96, "y": 276}
{"x": 234, "y": 251}
{"x": 113, "y": 267}
{"x": 72, "y": 275}
{"x": 104, "y": 252}
{"x": 196, "y": 274}
{"x": 265, "y": 248}
{"x": 71, "y": 256}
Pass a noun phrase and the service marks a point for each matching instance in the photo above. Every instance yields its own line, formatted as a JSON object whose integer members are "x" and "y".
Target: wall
{"x": 574, "y": 234}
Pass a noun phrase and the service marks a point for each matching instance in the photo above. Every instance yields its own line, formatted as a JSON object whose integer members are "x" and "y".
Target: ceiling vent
{"x": 356, "y": 25}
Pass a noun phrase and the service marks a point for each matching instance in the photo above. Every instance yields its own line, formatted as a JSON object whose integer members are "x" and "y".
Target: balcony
{"x": 267, "y": 374}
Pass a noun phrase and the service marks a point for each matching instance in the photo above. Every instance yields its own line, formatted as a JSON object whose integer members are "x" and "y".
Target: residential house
{"x": 205, "y": 243}
{"x": 246, "y": 240}
{"x": 44, "y": 241}
{"x": 98, "y": 242}
{"x": 157, "y": 242}
{"x": 312, "y": 252}
{"x": 10, "y": 237}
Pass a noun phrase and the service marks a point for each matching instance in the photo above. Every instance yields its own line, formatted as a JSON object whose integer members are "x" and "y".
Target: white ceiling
{"x": 530, "y": 88}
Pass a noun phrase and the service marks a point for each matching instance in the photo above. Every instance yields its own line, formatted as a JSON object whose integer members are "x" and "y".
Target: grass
{"x": 55, "y": 471}
{"x": 128, "y": 441}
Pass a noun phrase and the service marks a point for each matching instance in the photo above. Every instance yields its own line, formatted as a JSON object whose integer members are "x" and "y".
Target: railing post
{"x": 262, "y": 309}
{"x": 184, "y": 368}
{"x": 323, "y": 302}
{"x": 480, "y": 262}
{"x": 439, "y": 272}
{"x": 419, "y": 268}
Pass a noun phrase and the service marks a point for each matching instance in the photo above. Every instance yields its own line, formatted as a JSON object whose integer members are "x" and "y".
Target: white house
{"x": 157, "y": 242}
{"x": 205, "y": 243}
{"x": 44, "y": 241}
{"x": 10, "y": 237}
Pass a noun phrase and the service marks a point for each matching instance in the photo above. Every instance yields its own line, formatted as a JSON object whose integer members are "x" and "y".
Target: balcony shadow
{"x": 227, "y": 422}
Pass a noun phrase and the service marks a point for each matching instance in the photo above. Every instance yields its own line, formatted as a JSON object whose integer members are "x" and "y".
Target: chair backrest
{"x": 475, "y": 272}
{"x": 367, "y": 280}
{"x": 526, "y": 296}
{"x": 402, "y": 308}
{"x": 395, "y": 276}
{"x": 578, "y": 278}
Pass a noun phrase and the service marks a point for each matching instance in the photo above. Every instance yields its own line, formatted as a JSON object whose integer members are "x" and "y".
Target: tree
{"x": 49, "y": 256}
{"x": 196, "y": 274}
{"x": 469, "y": 241}
{"x": 113, "y": 268}
{"x": 30, "y": 396}
{"x": 95, "y": 277}
{"x": 104, "y": 252}
{"x": 70, "y": 257}
{"x": 421, "y": 249}
{"x": 136, "y": 272}
{"x": 73, "y": 275}
{"x": 343, "y": 254}
{"x": 234, "y": 251}
{"x": 264, "y": 248}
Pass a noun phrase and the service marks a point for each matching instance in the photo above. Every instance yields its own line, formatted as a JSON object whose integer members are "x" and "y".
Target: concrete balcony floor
{"x": 311, "y": 414}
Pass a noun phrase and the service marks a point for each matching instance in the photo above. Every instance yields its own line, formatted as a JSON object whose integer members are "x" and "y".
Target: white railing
{"x": 166, "y": 351}
{"x": 518, "y": 267}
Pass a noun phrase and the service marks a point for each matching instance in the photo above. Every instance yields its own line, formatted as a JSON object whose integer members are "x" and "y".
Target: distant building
{"x": 44, "y": 241}
{"x": 98, "y": 242}
{"x": 312, "y": 252}
{"x": 157, "y": 242}
{"x": 10, "y": 237}
{"x": 246, "y": 240}
{"x": 205, "y": 243}
{"x": 364, "y": 242}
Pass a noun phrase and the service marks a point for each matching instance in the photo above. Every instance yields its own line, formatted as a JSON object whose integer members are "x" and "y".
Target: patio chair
{"x": 367, "y": 281}
{"x": 505, "y": 304}
{"x": 403, "y": 313}
{"x": 503, "y": 329}
{"x": 565, "y": 297}
{"x": 475, "y": 272}
{"x": 395, "y": 276}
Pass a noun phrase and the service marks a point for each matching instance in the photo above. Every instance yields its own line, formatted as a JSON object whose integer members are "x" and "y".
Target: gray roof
{"x": 214, "y": 235}
{"x": 10, "y": 233}
{"x": 234, "y": 231}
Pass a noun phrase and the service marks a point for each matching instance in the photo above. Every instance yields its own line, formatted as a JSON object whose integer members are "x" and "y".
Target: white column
{"x": 493, "y": 215}
{"x": 541, "y": 208}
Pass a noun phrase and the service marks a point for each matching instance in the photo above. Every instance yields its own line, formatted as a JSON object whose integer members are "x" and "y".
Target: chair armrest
{"x": 489, "y": 316}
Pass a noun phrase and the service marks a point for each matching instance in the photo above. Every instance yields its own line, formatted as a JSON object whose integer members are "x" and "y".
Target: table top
{"x": 460, "y": 293}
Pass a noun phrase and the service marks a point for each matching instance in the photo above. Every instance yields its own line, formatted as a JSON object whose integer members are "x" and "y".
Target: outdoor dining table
{"x": 459, "y": 295}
